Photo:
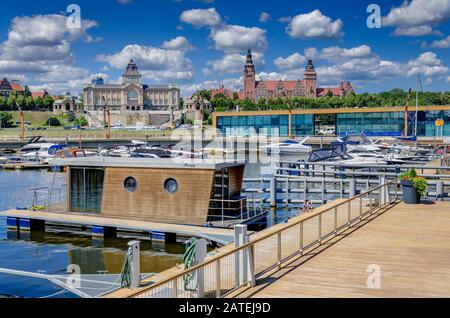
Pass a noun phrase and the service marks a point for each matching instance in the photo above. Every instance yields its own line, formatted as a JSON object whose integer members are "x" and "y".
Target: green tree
{"x": 26, "y": 91}
{"x": 6, "y": 120}
{"x": 29, "y": 103}
{"x": 48, "y": 102}
{"x": 205, "y": 94}
{"x": 39, "y": 103}
{"x": 3, "y": 103}
{"x": 11, "y": 102}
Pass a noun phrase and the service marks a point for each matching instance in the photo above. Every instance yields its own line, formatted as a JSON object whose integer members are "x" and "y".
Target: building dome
{"x": 132, "y": 69}
{"x": 132, "y": 75}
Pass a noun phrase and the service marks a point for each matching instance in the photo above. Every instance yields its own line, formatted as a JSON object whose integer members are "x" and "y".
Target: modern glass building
{"x": 373, "y": 124}
{"x": 380, "y": 121}
{"x": 269, "y": 125}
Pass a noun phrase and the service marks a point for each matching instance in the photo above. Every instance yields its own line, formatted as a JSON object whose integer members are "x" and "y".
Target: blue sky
{"x": 201, "y": 43}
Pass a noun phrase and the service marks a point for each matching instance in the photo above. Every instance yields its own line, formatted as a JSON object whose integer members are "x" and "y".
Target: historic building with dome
{"x": 131, "y": 94}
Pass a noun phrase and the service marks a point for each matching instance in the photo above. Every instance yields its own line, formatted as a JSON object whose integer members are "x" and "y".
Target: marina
{"x": 221, "y": 156}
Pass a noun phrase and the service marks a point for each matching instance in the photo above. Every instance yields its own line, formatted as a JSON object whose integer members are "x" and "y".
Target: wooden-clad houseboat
{"x": 155, "y": 190}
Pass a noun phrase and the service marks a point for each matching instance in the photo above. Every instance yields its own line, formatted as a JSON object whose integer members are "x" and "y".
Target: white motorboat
{"x": 360, "y": 159}
{"x": 290, "y": 147}
{"x": 45, "y": 151}
{"x": 3, "y": 160}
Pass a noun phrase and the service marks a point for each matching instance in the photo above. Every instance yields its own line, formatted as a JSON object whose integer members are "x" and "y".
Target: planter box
{"x": 410, "y": 195}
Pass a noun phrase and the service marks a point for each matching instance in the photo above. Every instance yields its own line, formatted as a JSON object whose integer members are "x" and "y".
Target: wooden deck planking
{"x": 227, "y": 264}
{"x": 82, "y": 219}
{"x": 409, "y": 243}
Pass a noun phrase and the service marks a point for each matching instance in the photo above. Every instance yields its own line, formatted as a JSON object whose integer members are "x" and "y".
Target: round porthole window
{"x": 171, "y": 185}
{"x": 130, "y": 184}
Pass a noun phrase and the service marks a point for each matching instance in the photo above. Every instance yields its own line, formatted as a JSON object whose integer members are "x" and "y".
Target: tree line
{"x": 395, "y": 97}
{"x": 26, "y": 101}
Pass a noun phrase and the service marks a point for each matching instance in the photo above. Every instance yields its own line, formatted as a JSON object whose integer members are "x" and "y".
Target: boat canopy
{"x": 409, "y": 138}
{"x": 328, "y": 155}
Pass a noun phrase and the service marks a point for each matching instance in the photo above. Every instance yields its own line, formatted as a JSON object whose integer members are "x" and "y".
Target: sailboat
{"x": 413, "y": 138}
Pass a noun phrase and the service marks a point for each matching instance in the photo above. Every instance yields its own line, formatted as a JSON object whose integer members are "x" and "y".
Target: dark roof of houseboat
{"x": 166, "y": 163}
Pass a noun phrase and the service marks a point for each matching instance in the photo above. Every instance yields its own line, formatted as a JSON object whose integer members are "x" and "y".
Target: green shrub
{"x": 82, "y": 121}
{"x": 52, "y": 122}
{"x": 419, "y": 183}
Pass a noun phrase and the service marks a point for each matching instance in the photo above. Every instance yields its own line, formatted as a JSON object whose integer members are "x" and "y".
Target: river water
{"x": 51, "y": 253}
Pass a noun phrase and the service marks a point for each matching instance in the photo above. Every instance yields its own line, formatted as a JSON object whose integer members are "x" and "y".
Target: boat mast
{"x": 417, "y": 104}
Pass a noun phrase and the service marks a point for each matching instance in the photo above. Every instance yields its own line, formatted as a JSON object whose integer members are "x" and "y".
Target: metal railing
{"x": 222, "y": 274}
{"x": 43, "y": 198}
{"x": 233, "y": 210}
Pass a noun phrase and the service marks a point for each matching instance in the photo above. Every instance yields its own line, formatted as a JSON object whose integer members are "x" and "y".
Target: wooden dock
{"x": 220, "y": 235}
{"x": 125, "y": 293}
{"x": 409, "y": 244}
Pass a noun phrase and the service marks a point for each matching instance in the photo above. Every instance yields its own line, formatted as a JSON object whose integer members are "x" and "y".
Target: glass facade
{"x": 271, "y": 125}
{"x": 375, "y": 124}
{"x": 86, "y": 190}
{"x": 303, "y": 125}
{"x": 426, "y": 123}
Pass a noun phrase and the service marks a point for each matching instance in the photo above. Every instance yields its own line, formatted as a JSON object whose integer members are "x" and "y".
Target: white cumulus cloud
{"x": 235, "y": 38}
{"x": 154, "y": 63}
{"x": 314, "y": 25}
{"x": 418, "y": 17}
{"x": 179, "y": 43}
{"x": 201, "y": 17}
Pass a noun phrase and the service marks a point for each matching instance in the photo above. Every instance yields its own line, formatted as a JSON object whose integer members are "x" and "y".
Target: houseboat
{"x": 155, "y": 190}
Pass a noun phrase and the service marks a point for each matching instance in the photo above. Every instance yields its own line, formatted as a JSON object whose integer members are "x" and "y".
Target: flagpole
{"x": 417, "y": 104}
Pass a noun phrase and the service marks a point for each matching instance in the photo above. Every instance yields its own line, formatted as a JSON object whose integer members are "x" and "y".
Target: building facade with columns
{"x": 131, "y": 94}
{"x": 306, "y": 87}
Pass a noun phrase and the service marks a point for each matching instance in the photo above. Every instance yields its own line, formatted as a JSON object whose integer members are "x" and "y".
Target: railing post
{"x": 335, "y": 220}
{"x": 349, "y": 212}
{"x": 301, "y": 238}
{"x": 273, "y": 192}
{"x": 251, "y": 265}
{"x": 287, "y": 196}
{"x": 323, "y": 191}
{"x": 440, "y": 190}
{"x": 320, "y": 228}
{"x": 352, "y": 188}
{"x": 218, "y": 284}
{"x": 134, "y": 252}
{"x": 175, "y": 288}
{"x": 371, "y": 199}
{"x": 200, "y": 256}
{"x": 360, "y": 207}
{"x": 279, "y": 249}
{"x": 241, "y": 260}
{"x": 382, "y": 191}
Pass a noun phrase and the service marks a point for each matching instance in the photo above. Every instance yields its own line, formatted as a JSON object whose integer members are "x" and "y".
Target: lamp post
{"x": 107, "y": 118}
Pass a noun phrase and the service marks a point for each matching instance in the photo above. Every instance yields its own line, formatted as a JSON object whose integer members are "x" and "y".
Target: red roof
{"x": 325, "y": 90}
{"x": 272, "y": 85}
{"x": 16, "y": 87}
{"x": 39, "y": 94}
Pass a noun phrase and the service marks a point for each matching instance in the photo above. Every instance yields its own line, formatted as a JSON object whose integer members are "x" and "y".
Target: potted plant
{"x": 413, "y": 187}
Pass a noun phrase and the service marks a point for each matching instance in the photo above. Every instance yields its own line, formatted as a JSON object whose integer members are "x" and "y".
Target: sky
{"x": 201, "y": 44}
